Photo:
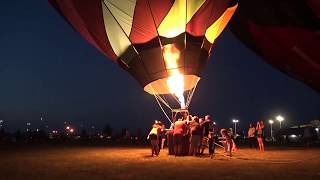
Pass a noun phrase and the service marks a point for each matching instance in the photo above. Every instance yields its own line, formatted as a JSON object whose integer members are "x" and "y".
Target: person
{"x": 231, "y": 135}
{"x": 212, "y": 130}
{"x": 178, "y": 132}
{"x": 207, "y": 127}
{"x": 260, "y": 138}
{"x": 212, "y": 141}
{"x": 162, "y": 138}
{"x": 251, "y": 136}
{"x": 225, "y": 139}
{"x": 185, "y": 144}
{"x": 170, "y": 141}
{"x": 195, "y": 132}
{"x": 154, "y": 138}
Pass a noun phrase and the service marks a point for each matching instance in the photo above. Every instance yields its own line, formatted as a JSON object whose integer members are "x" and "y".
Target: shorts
{"x": 153, "y": 137}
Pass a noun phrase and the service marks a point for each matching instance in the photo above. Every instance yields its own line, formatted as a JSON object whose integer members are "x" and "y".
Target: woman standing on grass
{"x": 260, "y": 129}
{"x": 154, "y": 138}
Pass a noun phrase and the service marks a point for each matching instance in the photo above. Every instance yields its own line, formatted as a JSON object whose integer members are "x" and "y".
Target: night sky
{"x": 47, "y": 69}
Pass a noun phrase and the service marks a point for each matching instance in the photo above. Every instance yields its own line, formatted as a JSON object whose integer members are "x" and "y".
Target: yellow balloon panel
{"x": 179, "y": 15}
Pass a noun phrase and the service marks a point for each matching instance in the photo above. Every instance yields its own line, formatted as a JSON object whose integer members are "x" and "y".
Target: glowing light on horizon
{"x": 279, "y": 118}
{"x": 175, "y": 81}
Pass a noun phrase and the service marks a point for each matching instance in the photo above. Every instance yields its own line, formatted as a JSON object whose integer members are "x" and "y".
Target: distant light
{"x": 317, "y": 129}
{"x": 1, "y": 121}
{"x": 271, "y": 121}
{"x": 37, "y": 130}
{"x": 71, "y": 130}
{"x": 214, "y": 123}
{"x": 68, "y": 127}
{"x": 235, "y": 120}
{"x": 28, "y": 124}
{"x": 293, "y": 136}
{"x": 279, "y": 118}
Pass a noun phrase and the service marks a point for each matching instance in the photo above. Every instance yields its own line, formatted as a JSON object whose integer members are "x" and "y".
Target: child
{"x": 225, "y": 139}
{"x": 234, "y": 146}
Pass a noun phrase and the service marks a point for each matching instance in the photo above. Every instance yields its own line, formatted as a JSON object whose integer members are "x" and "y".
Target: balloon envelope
{"x": 135, "y": 33}
{"x": 285, "y": 33}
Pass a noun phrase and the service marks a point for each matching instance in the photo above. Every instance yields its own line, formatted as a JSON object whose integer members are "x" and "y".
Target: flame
{"x": 175, "y": 80}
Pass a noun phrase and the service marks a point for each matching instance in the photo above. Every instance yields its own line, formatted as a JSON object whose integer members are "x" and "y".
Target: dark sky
{"x": 47, "y": 69}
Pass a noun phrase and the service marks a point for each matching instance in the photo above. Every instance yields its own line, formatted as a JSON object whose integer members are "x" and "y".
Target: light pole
{"x": 235, "y": 121}
{"x": 271, "y": 122}
{"x": 28, "y": 126}
{"x": 280, "y": 119}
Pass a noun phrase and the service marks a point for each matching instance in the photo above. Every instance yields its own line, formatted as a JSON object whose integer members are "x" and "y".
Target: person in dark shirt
{"x": 207, "y": 127}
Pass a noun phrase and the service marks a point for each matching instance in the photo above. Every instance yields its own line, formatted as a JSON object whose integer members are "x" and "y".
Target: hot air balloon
{"x": 285, "y": 33}
{"x": 163, "y": 44}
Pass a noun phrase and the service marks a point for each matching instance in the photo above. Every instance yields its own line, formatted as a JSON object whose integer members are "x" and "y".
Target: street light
{"x": 271, "y": 122}
{"x": 28, "y": 126}
{"x": 280, "y": 119}
{"x": 235, "y": 121}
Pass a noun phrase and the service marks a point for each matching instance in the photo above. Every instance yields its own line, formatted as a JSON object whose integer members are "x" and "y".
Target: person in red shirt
{"x": 179, "y": 130}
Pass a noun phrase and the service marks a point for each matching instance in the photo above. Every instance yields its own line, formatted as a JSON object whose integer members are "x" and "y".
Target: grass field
{"x": 136, "y": 163}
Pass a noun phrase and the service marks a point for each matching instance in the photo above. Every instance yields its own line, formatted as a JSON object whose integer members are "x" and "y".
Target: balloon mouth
{"x": 160, "y": 86}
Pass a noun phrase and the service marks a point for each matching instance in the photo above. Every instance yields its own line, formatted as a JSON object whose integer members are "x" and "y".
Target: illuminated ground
{"x": 136, "y": 163}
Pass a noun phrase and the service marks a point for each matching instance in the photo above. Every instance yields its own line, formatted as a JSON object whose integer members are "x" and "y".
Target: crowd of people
{"x": 190, "y": 135}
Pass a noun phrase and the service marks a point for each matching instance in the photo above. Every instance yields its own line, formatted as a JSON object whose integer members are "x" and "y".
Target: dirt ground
{"x": 136, "y": 163}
